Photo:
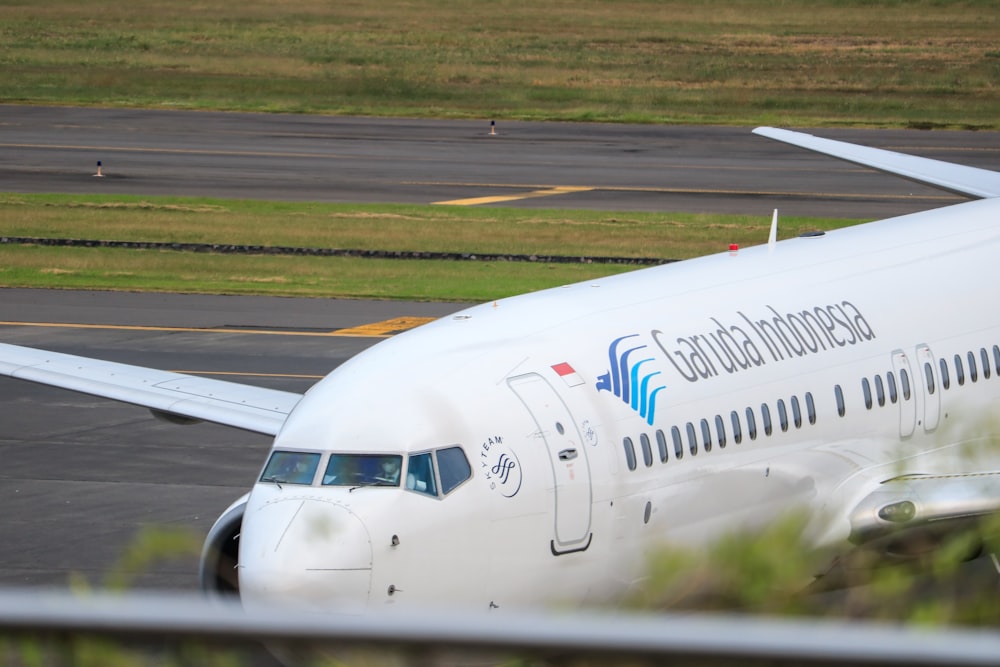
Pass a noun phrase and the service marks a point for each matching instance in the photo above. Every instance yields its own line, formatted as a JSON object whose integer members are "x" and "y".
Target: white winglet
{"x": 956, "y": 178}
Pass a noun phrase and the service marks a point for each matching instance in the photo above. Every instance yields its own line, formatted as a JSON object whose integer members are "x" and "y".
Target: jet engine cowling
{"x": 218, "y": 574}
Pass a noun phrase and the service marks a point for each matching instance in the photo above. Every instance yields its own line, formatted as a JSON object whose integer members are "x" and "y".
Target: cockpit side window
{"x": 363, "y": 470}
{"x": 454, "y": 468}
{"x": 291, "y": 468}
{"x": 420, "y": 474}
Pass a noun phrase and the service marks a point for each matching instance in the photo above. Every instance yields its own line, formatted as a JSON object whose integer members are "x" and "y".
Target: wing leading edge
{"x": 228, "y": 403}
{"x": 959, "y": 179}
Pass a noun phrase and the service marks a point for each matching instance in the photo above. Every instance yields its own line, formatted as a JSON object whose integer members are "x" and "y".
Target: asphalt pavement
{"x": 600, "y": 166}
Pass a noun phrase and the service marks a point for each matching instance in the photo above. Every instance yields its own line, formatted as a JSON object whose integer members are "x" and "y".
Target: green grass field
{"x": 378, "y": 227}
{"x": 916, "y": 63}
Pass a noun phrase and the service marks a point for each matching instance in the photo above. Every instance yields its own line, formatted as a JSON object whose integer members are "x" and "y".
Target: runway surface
{"x": 549, "y": 165}
{"x": 82, "y": 477}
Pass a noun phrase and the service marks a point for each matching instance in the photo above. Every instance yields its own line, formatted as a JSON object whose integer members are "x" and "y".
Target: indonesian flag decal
{"x": 568, "y": 374}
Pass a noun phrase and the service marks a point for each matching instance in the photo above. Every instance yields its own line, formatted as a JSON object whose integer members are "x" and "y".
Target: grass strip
{"x": 165, "y": 271}
{"x": 387, "y": 227}
{"x": 178, "y": 220}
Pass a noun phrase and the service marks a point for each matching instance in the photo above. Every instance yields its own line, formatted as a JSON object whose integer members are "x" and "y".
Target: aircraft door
{"x": 928, "y": 387}
{"x": 570, "y": 467}
{"x": 905, "y": 393}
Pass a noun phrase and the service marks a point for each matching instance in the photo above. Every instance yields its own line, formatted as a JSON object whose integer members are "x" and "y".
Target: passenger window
{"x": 291, "y": 468}
{"x": 706, "y": 436}
{"x": 929, "y": 376}
{"x": 811, "y": 407}
{"x": 796, "y": 412}
{"x": 782, "y": 415}
{"x": 765, "y": 418}
{"x": 904, "y": 383}
{"x": 945, "y": 377}
{"x": 879, "y": 391}
{"x": 692, "y": 440}
{"x": 629, "y": 453}
{"x": 647, "y": 451}
{"x": 973, "y": 373}
{"x": 420, "y": 474}
{"x": 996, "y": 358}
{"x": 866, "y": 389}
{"x": 893, "y": 393}
{"x": 751, "y": 424}
{"x": 984, "y": 355}
{"x": 454, "y": 468}
{"x": 661, "y": 445}
{"x": 720, "y": 431}
{"x": 675, "y": 434}
{"x": 737, "y": 431}
{"x": 839, "y": 394}
{"x": 959, "y": 371}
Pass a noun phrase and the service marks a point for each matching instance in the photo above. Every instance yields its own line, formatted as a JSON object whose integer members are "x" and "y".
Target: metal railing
{"x": 703, "y": 639}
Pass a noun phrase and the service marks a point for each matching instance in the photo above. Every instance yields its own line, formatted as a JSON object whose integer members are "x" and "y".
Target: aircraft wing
{"x": 959, "y": 179}
{"x": 910, "y": 518}
{"x": 171, "y": 395}
{"x": 919, "y": 508}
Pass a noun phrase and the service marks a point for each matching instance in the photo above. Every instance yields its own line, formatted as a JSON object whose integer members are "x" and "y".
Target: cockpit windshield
{"x": 433, "y": 473}
{"x": 291, "y": 468}
{"x": 363, "y": 470}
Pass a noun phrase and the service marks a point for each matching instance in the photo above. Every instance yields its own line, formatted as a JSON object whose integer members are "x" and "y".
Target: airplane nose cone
{"x": 304, "y": 552}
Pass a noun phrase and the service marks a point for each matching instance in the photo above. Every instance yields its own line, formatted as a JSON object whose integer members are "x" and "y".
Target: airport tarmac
{"x": 601, "y": 166}
{"x": 83, "y": 478}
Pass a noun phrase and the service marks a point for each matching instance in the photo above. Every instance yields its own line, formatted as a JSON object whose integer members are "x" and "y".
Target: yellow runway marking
{"x": 374, "y": 330}
{"x": 562, "y": 190}
{"x": 543, "y": 190}
{"x": 386, "y": 328}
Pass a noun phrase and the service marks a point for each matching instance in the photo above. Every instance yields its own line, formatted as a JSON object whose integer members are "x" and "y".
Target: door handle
{"x": 567, "y": 455}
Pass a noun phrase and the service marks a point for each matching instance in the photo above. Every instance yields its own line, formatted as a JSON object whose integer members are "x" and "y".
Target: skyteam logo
{"x": 628, "y": 381}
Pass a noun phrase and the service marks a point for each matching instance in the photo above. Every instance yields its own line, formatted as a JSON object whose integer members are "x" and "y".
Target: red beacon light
{"x": 734, "y": 248}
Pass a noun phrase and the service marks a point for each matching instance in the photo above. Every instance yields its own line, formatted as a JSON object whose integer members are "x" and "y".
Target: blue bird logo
{"x": 627, "y": 381}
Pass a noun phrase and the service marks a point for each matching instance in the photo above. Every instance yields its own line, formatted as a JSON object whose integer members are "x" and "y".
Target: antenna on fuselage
{"x": 772, "y": 238}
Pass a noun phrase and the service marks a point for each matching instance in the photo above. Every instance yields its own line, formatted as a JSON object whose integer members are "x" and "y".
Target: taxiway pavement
{"x": 83, "y": 479}
{"x": 526, "y": 164}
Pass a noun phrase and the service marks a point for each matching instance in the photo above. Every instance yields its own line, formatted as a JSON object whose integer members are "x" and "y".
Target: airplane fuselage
{"x": 666, "y": 407}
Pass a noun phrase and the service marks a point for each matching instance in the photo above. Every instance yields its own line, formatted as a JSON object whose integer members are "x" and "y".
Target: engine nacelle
{"x": 220, "y": 555}
{"x": 912, "y": 516}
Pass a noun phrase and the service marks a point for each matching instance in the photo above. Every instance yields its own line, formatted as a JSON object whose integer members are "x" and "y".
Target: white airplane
{"x": 534, "y": 451}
